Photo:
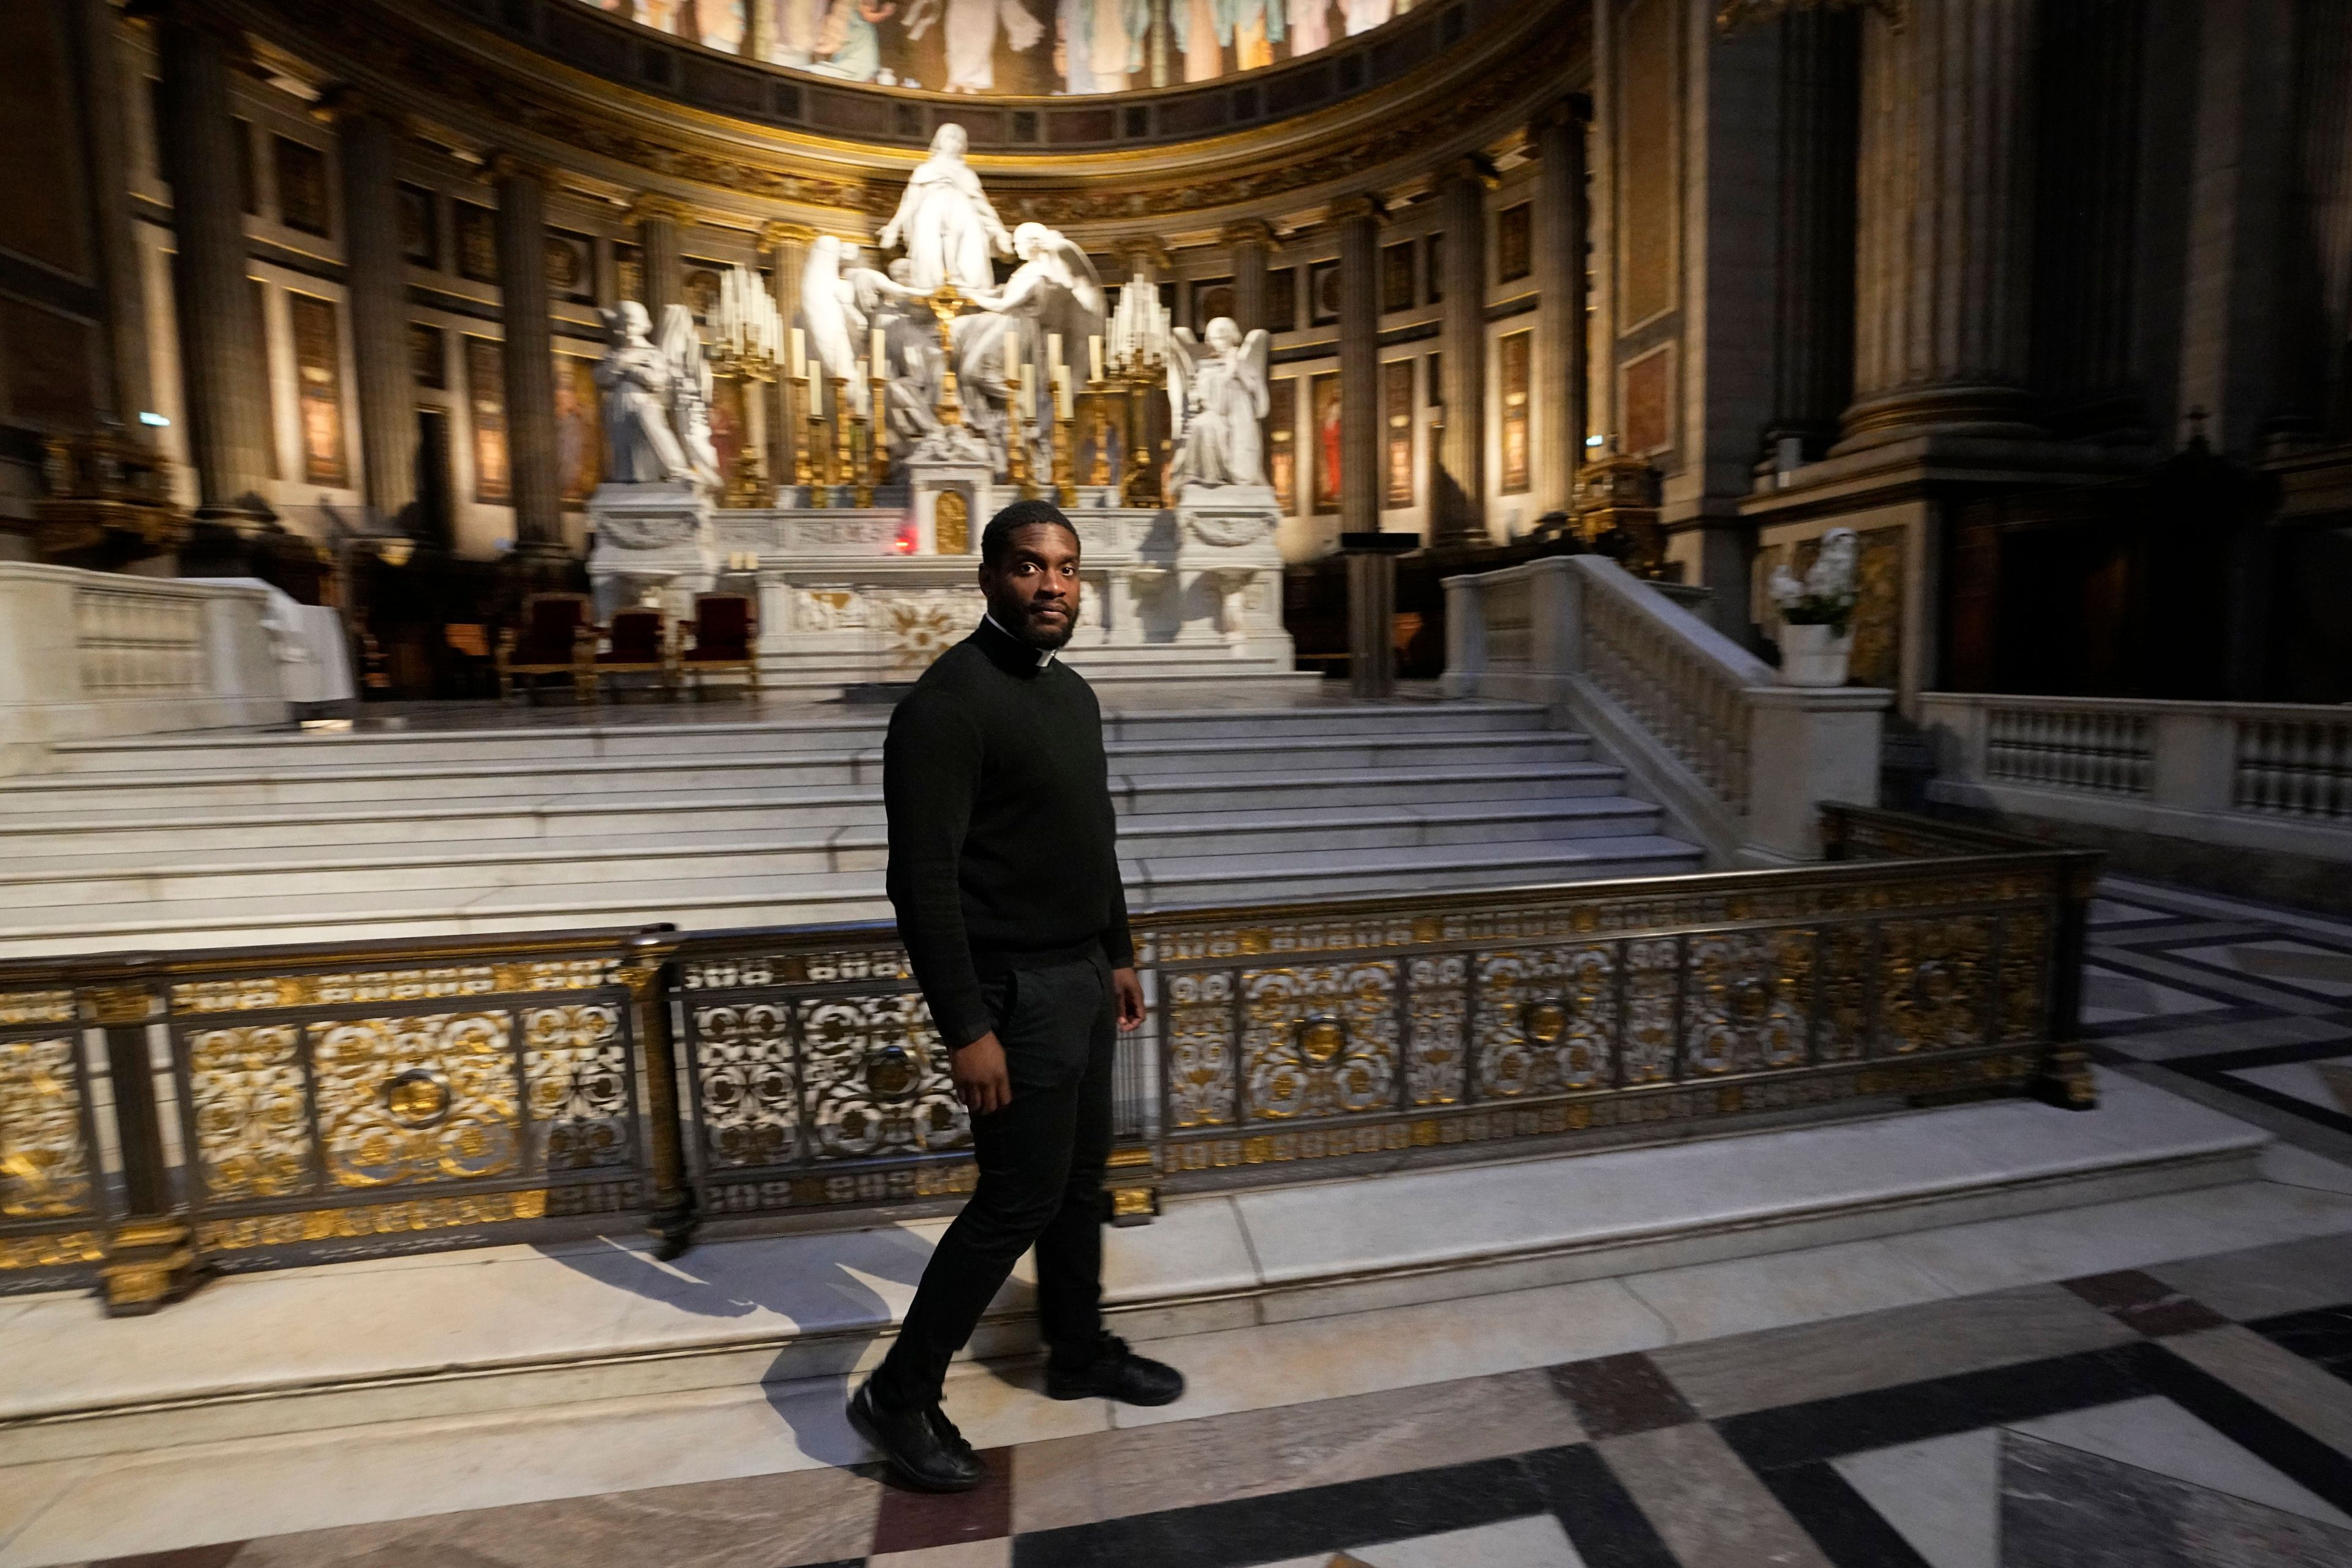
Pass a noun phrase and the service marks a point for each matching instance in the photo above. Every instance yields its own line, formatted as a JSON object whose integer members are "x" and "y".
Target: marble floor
{"x": 2190, "y": 1414}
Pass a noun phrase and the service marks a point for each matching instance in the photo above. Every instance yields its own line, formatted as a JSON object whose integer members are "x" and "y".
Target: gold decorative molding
{"x": 1361, "y": 205}
{"x": 775, "y": 232}
{"x": 505, "y": 164}
{"x": 113, "y": 1006}
{"x": 1248, "y": 231}
{"x": 655, "y": 204}
{"x": 149, "y": 1262}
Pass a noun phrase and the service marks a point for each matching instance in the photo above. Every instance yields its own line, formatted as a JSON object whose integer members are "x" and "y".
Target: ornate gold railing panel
{"x": 330, "y": 1102}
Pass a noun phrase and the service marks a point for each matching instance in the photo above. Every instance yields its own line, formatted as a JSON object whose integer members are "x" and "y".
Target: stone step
{"x": 718, "y": 902}
{"x": 545, "y": 1327}
{"x": 750, "y": 810}
{"x": 498, "y": 778}
{"x": 539, "y": 738}
{"x": 135, "y": 875}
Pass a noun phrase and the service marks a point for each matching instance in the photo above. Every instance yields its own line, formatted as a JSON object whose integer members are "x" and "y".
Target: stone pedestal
{"x": 1229, "y": 569}
{"x": 651, "y": 540}
{"x": 953, "y": 487}
{"x": 1371, "y": 608}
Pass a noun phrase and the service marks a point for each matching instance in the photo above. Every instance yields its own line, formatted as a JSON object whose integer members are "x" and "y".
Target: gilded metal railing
{"x": 163, "y": 1115}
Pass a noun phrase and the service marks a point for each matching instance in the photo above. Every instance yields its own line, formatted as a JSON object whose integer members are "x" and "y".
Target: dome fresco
{"x": 1015, "y": 48}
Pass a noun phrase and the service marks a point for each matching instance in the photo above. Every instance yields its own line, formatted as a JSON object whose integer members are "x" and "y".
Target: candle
{"x": 1053, "y": 353}
{"x": 879, "y": 354}
{"x": 1094, "y": 356}
{"x": 1062, "y": 392}
{"x": 800, "y": 355}
{"x": 816, "y": 396}
{"x": 1028, "y": 394}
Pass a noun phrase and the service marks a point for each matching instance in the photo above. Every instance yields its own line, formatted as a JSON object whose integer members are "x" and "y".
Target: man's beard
{"x": 1022, "y": 623}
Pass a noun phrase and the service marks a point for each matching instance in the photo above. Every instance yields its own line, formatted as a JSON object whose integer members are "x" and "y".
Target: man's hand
{"x": 1130, "y": 987}
{"x": 980, "y": 1081}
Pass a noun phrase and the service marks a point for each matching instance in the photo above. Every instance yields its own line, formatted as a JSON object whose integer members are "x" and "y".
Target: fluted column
{"x": 1813, "y": 362}
{"x": 379, "y": 311}
{"x": 1460, "y": 502}
{"x": 2315, "y": 260}
{"x": 1359, "y": 218}
{"x": 1560, "y": 370}
{"x": 787, "y": 245}
{"x": 658, "y": 218}
{"x": 1248, "y": 243}
{"x": 1944, "y": 218}
{"x": 220, "y": 358}
{"x": 100, "y": 66}
{"x": 530, "y": 356}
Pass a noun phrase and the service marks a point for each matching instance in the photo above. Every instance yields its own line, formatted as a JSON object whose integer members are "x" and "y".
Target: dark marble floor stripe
{"x": 2323, "y": 1335}
{"x": 2273, "y": 1439}
{"x": 1294, "y": 1524}
{"x": 2145, "y": 1302}
{"x": 2265, "y": 1095}
{"x": 2265, "y": 1055}
{"x": 1937, "y": 1407}
{"x": 219, "y": 1556}
{"x": 911, "y": 1521}
{"x": 1617, "y": 1396}
{"x": 1603, "y": 1523}
{"x": 1851, "y": 1532}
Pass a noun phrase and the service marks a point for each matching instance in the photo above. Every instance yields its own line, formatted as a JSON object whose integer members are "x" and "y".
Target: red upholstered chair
{"x": 640, "y": 645}
{"x": 725, "y": 633}
{"x": 558, "y": 637}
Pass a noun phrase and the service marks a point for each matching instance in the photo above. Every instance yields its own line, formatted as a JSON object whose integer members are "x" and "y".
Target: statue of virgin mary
{"x": 945, "y": 220}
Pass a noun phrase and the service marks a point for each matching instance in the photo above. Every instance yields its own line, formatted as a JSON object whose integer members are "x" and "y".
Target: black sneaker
{"x": 922, "y": 1445}
{"x": 1114, "y": 1372}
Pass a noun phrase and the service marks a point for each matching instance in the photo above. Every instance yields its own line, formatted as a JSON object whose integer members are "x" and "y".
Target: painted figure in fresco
{"x": 945, "y": 220}
{"x": 1100, "y": 43}
{"x": 1310, "y": 25}
{"x": 1220, "y": 401}
{"x": 848, "y": 44}
{"x": 971, "y": 27}
{"x": 1363, "y": 16}
{"x": 636, "y": 380}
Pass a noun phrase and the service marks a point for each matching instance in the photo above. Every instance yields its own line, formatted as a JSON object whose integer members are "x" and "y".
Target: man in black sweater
{"x": 1004, "y": 875}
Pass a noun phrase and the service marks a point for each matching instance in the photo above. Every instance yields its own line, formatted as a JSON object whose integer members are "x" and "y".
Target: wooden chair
{"x": 558, "y": 637}
{"x": 725, "y": 633}
{"x": 640, "y": 643}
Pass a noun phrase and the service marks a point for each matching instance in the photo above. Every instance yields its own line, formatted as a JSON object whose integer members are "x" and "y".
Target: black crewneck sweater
{"x": 1003, "y": 846}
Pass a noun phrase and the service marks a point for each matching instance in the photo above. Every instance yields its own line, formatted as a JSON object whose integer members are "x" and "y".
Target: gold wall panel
{"x": 1547, "y": 1020}
{"x": 746, "y": 1083}
{"x": 44, "y": 1165}
{"x": 416, "y": 1099}
{"x": 1748, "y": 1000}
{"x": 576, "y": 1073}
{"x": 1197, "y": 1011}
{"x": 1319, "y": 1040}
{"x": 878, "y": 1079}
{"x": 251, "y": 1110}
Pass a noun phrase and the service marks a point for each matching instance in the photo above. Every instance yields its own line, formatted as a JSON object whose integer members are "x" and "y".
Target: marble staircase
{"x": 216, "y": 839}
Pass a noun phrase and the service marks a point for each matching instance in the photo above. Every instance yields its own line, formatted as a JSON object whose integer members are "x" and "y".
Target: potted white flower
{"x": 1817, "y": 614}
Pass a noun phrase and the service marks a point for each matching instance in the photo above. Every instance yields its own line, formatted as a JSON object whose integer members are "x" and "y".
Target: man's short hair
{"x": 997, "y": 537}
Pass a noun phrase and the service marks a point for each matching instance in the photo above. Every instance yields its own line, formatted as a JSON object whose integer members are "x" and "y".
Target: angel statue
{"x": 1219, "y": 394}
{"x": 945, "y": 219}
{"x": 1056, "y": 287}
{"x": 643, "y": 388}
{"x": 835, "y": 321}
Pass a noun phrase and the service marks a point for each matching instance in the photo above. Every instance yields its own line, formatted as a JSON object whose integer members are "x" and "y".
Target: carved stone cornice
{"x": 1471, "y": 169}
{"x": 507, "y": 165}
{"x": 1248, "y": 231}
{"x": 1361, "y": 205}
{"x": 1576, "y": 109}
{"x": 775, "y": 232}
{"x": 1144, "y": 255}
{"x": 655, "y": 205}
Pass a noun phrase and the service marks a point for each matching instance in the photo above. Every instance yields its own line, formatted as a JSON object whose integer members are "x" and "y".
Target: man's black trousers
{"x": 1041, "y": 1163}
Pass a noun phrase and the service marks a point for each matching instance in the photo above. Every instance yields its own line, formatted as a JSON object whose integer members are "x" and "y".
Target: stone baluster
{"x": 1944, "y": 252}
{"x": 529, "y": 358}
{"x": 658, "y": 218}
{"x": 223, "y": 365}
{"x": 1560, "y": 224}
{"x": 1249, "y": 243}
{"x": 1359, "y": 220}
{"x": 379, "y": 310}
{"x": 1459, "y": 505}
{"x": 787, "y": 245}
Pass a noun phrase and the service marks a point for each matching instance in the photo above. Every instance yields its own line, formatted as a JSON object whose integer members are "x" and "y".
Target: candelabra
{"x": 879, "y": 448}
{"x": 845, "y": 453}
{"x": 945, "y": 303}
{"x": 1016, "y": 450}
{"x": 815, "y": 457}
{"x": 1065, "y": 439}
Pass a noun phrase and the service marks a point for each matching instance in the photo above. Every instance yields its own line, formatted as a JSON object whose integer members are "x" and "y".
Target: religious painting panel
{"x": 1396, "y": 420}
{"x": 1323, "y": 401}
{"x": 727, "y": 424}
{"x": 1211, "y": 297}
{"x": 1282, "y": 299}
{"x": 1323, "y": 292}
{"x": 700, "y": 288}
{"x": 486, "y": 393}
{"x": 1645, "y": 395}
{"x": 579, "y": 437}
{"x": 570, "y": 267}
{"x": 1517, "y": 360}
{"x": 1396, "y": 277}
{"x": 1282, "y": 443}
{"x": 428, "y": 356}
{"x": 318, "y": 372}
{"x": 420, "y": 227}
{"x": 1514, "y": 243}
{"x": 1648, "y": 184}
{"x": 302, "y": 202}
{"x": 478, "y": 242}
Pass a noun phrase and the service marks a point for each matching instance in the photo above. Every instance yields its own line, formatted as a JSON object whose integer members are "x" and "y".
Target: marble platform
{"x": 471, "y": 1335}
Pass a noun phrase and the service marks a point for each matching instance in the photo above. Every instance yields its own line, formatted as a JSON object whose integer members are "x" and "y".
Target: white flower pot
{"x": 1814, "y": 656}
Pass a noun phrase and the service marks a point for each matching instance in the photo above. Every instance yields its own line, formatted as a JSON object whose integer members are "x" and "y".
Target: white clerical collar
{"x": 1045, "y": 655}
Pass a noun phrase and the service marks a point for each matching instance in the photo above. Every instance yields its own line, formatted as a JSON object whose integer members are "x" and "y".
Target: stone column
{"x": 658, "y": 219}
{"x": 1560, "y": 352}
{"x": 1943, "y": 256}
{"x": 223, "y": 365}
{"x": 1813, "y": 362}
{"x": 1359, "y": 219}
{"x": 1249, "y": 243}
{"x": 787, "y": 245}
{"x": 1458, "y": 506}
{"x": 529, "y": 357}
{"x": 99, "y": 64}
{"x": 2315, "y": 259}
{"x": 379, "y": 308}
